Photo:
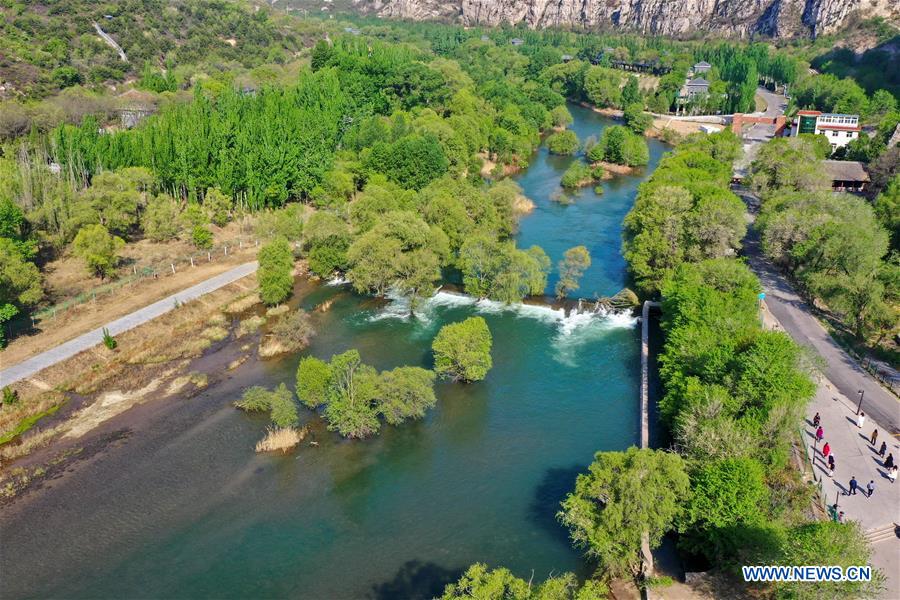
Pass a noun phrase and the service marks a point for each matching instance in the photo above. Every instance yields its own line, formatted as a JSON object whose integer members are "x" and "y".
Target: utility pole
{"x": 859, "y": 406}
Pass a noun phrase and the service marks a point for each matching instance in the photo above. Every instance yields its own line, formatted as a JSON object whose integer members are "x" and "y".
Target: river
{"x": 185, "y": 508}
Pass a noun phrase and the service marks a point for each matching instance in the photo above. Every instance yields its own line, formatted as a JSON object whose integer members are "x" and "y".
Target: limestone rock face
{"x": 735, "y": 18}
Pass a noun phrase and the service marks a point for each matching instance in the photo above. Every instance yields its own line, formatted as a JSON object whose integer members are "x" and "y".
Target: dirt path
{"x": 83, "y": 342}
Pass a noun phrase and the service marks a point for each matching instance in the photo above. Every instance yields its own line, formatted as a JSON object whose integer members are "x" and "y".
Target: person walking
{"x": 826, "y": 450}
{"x": 889, "y": 462}
{"x": 853, "y": 486}
{"x": 816, "y": 420}
{"x": 892, "y": 473}
{"x": 831, "y": 464}
{"x": 861, "y": 420}
{"x": 870, "y": 488}
{"x": 820, "y": 433}
{"x": 883, "y": 449}
{"x": 874, "y": 437}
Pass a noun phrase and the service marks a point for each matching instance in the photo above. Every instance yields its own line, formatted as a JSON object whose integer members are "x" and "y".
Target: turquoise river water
{"x": 184, "y": 508}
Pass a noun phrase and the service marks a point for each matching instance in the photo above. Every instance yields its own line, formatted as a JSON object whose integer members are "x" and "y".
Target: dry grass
{"x": 241, "y": 304}
{"x": 215, "y": 333}
{"x": 250, "y": 325}
{"x": 278, "y": 438}
{"x": 277, "y": 310}
{"x": 147, "y": 361}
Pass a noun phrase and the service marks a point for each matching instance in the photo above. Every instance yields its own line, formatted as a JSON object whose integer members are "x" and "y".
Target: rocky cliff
{"x": 735, "y": 18}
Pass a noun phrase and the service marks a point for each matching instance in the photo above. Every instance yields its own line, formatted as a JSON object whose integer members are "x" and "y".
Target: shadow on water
{"x": 554, "y": 485}
{"x": 416, "y": 579}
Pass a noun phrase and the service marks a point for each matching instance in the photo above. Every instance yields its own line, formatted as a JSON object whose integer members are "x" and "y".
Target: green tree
{"x": 217, "y": 207}
{"x": 603, "y": 87}
{"x": 98, "y": 248}
{"x": 20, "y": 283}
{"x": 636, "y": 119}
{"x": 350, "y": 409}
{"x": 405, "y": 393}
{"x": 563, "y": 142}
{"x": 328, "y": 238}
{"x": 560, "y": 116}
{"x": 313, "y": 381}
{"x": 573, "y": 265}
{"x": 462, "y": 351}
{"x": 725, "y": 494}
{"x": 161, "y": 219}
{"x": 623, "y": 496}
{"x": 275, "y": 273}
{"x": 500, "y": 584}
{"x": 828, "y": 543}
{"x": 631, "y": 93}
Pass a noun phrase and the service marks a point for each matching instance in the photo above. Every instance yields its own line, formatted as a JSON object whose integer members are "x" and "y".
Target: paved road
{"x": 794, "y": 315}
{"x": 69, "y": 349}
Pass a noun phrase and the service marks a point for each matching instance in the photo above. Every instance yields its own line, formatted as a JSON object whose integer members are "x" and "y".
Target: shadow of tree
{"x": 416, "y": 579}
{"x": 553, "y": 488}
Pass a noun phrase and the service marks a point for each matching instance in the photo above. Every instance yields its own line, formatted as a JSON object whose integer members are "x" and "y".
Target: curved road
{"x": 69, "y": 349}
{"x": 794, "y": 315}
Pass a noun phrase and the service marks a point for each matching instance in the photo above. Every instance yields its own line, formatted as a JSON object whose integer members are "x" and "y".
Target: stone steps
{"x": 880, "y": 534}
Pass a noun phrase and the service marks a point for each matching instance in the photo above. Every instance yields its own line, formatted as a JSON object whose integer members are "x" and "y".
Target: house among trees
{"x": 695, "y": 88}
{"x": 567, "y": 58}
{"x": 134, "y": 106}
{"x": 840, "y": 129}
{"x": 702, "y": 67}
{"x": 846, "y": 175}
{"x": 517, "y": 41}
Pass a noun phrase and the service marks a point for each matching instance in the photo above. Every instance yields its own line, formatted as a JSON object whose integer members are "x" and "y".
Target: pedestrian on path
{"x": 870, "y": 488}
{"x": 861, "y": 420}
{"x": 831, "y": 464}
{"x": 816, "y": 420}
{"x": 892, "y": 474}
{"x": 853, "y": 486}
{"x": 883, "y": 449}
{"x": 820, "y": 433}
{"x": 889, "y": 462}
{"x": 826, "y": 450}
{"x": 874, "y": 436}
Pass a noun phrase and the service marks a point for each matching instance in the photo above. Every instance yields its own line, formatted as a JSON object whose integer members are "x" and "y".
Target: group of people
{"x": 828, "y": 455}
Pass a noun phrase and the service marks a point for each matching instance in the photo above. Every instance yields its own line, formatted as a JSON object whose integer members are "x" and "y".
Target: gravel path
{"x": 69, "y": 349}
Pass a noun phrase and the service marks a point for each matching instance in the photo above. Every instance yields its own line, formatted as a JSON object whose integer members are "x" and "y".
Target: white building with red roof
{"x": 840, "y": 129}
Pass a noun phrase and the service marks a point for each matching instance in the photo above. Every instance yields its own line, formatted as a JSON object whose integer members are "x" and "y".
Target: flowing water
{"x": 185, "y": 508}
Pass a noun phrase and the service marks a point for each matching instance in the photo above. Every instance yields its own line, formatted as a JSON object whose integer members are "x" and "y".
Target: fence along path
{"x": 139, "y": 272}
{"x": 69, "y": 349}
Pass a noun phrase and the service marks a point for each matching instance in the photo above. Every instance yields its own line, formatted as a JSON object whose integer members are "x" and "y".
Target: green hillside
{"x": 46, "y": 45}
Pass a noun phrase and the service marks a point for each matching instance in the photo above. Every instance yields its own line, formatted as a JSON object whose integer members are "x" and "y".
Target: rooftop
{"x": 703, "y": 63}
{"x": 698, "y": 81}
{"x": 845, "y": 170}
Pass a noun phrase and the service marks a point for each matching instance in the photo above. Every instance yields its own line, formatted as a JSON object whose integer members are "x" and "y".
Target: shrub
{"x": 293, "y": 330}
{"x": 108, "y": 340}
{"x": 98, "y": 248}
{"x": 284, "y": 410}
{"x": 202, "y": 237}
{"x": 10, "y": 396}
{"x": 255, "y": 399}
{"x": 313, "y": 381}
{"x": 577, "y": 175}
{"x": 462, "y": 351}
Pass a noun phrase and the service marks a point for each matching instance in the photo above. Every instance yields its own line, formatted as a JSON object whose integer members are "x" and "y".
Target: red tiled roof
{"x": 809, "y": 113}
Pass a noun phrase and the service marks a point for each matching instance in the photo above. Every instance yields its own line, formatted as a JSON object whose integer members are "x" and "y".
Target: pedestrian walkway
{"x": 856, "y": 458}
{"x": 69, "y": 349}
